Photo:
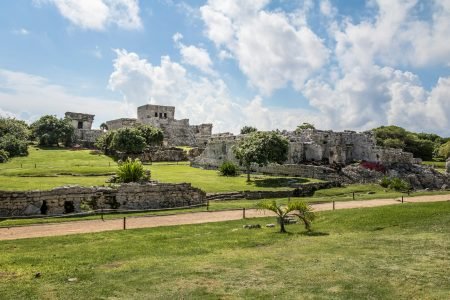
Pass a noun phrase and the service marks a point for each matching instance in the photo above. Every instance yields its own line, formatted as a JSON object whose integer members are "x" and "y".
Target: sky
{"x": 338, "y": 64}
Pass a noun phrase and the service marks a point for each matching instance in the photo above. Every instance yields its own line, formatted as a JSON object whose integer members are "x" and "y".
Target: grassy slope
{"x": 55, "y": 167}
{"x": 388, "y": 252}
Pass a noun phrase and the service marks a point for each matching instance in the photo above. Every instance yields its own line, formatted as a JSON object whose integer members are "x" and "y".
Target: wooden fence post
{"x": 334, "y": 205}
{"x": 124, "y": 223}
{"x": 243, "y": 213}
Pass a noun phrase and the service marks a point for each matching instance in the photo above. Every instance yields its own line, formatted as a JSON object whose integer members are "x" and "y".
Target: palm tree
{"x": 298, "y": 208}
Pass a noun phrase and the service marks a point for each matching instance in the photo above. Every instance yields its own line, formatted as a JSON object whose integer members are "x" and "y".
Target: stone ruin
{"x": 82, "y": 124}
{"x": 76, "y": 199}
{"x": 332, "y": 156}
{"x": 176, "y": 132}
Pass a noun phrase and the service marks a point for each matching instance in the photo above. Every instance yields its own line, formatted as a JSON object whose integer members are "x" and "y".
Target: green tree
{"x": 298, "y": 208}
{"x": 261, "y": 148}
{"x": 248, "y": 129}
{"x": 444, "y": 150}
{"x": 304, "y": 126}
{"x": 14, "y": 135}
{"x": 50, "y": 131}
{"x": 153, "y": 136}
{"x": 104, "y": 142}
{"x": 394, "y": 143}
{"x": 103, "y": 126}
{"x": 128, "y": 140}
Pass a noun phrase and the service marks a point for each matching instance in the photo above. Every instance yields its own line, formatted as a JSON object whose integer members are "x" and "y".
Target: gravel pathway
{"x": 77, "y": 227}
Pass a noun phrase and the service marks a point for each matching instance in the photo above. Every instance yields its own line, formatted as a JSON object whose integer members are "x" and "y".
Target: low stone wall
{"x": 307, "y": 171}
{"x": 77, "y": 199}
{"x": 303, "y": 190}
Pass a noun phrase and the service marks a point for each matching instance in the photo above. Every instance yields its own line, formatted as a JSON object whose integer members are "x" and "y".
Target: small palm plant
{"x": 131, "y": 171}
{"x": 298, "y": 208}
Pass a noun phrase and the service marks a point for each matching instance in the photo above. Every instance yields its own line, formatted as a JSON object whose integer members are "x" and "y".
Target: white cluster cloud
{"x": 28, "y": 97}
{"x": 195, "y": 56}
{"x": 98, "y": 14}
{"x": 200, "y": 99}
{"x": 273, "y": 49}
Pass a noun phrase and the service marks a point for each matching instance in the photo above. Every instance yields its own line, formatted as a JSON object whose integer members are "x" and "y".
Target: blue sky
{"x": 349, "y": 64}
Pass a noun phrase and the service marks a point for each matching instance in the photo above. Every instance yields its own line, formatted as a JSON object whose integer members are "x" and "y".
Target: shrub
{"x": 128, "y": 140}
{"x": 228, "y": 169}
{"x": 4, "y": 156}
{"x": 395, "y": 183}
{"x": 13, "y": 145}
{"x": 131, "y": 171}
{"x": 248, "y": 129}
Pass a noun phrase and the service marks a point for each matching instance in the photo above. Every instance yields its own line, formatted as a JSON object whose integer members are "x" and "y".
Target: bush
{"x": 13, "y": 145}
{"x": 4, "y": 156}
{"x": 131, "y": 171}
{"x": 228, "y": 169}
{"x": 128, "y": 140}
{"x": 395, "y": 183}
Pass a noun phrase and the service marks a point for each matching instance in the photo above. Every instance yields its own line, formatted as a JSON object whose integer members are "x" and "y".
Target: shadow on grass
{"x": 314, "y": 233}
{"x": 278, "y": 182}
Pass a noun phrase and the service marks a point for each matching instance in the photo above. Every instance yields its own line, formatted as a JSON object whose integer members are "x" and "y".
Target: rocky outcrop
{"x": 73, "y": 199}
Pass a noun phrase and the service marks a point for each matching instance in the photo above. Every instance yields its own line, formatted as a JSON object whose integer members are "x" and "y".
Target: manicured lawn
{"x": 46, "y": 169}
{"x": 438, "y": 165}
{"x": 393, "y": 252}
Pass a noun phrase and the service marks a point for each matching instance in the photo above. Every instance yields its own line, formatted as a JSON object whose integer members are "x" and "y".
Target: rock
{"x": 444, "y": 187}
{"x": 252, "y": 226}
{"x": 74, "y": 279}
{"x": 447, "y": 165}
{"x": 32, "y": 210}
{"x": 270, "y": 225}
{"x": 370, "y": 193}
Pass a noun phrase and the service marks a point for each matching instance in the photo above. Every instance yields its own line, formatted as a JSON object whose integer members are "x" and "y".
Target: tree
{"x": 104, "y": 142}
{"x": 298, "y": 208}
{"x": 50, "y": 131}
{"x": 261, "y": 148}
{"x": 248, "y": 129}
{"x": 152, "y": 135}
{"x": 444, "y": 150}
{"x": 304, "y": 126}
{"x": 103, "y": 127}
{"x": 128, "y": 140}
{"x": 14, "y": 135}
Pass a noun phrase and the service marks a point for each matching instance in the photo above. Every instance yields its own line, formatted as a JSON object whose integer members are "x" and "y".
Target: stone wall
{"x": 76, "y": 199}
{"x": 155, "y": 154}
{"x": 312, "y": 146}
{"x": 447, "y": 166}
{"x": 120, "y": 123}
{"x": 303, "y": 190}
{"x": 87, "y": 137}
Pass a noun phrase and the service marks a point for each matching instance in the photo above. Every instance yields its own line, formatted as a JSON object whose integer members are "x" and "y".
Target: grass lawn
{"x": 438, "y": 165}
{"x": 393, "y": 252}
{"x": 56, "y": 167}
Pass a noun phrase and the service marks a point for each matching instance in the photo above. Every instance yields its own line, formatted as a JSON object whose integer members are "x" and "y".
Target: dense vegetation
{"x": 261, "y": 148}
{"x": 391, "y": 252}
{"x": 423, "y": 145}
{"x": 304, "y": 126}
{"x": 50, "y": 131}
{"x": 130, "y": 140}
{"x": 14, "y": 135}
{"x": 248, "y": 129}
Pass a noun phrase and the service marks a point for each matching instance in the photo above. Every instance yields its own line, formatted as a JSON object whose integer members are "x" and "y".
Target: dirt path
{"x": 66, "y": 228}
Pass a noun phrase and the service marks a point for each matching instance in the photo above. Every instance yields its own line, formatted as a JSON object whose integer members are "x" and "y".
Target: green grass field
{"x": 393, "y": 252}
{"x": 438, "y": 165}
{"x": 46, "y": 169}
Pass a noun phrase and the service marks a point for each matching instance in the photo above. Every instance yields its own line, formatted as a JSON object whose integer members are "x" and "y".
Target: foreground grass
{"x": 50, "y": 168}
{"x": 387, "y": 252}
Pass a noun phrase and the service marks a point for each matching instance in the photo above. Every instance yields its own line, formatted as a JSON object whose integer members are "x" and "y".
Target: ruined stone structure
{"x": 82, "y": 124}
{"x": 447, "y": 166}
{"x": 77, "y": 199}
{"x": 312, "y": 146}
{"x": 176, "y": 132}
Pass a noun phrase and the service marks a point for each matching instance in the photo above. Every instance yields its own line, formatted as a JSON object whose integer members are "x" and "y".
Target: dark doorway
{"x": 69, "y": 207}
{"x": 80, "y": 125}
{"x": 44, "y": 208}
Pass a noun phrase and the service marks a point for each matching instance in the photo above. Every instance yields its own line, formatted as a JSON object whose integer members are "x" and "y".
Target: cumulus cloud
{"x": 98, "y": 14}
{"x": 272, "y": 48}
{"x": 365, "y": 98}
{"x": 195, "y": 56}
{"x": 397, "y": 36}
{"x": 201, "y": 99}
{"x": 28, "y": 97}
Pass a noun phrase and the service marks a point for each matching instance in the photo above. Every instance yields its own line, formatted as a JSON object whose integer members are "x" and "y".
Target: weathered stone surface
{"x": 447, "y": 166}
{"x": 75, "y": 198}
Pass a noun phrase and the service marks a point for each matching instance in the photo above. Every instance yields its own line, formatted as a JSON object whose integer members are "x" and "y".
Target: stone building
{"x": 311, "y": 147}
{"x": 176, "y": 132}
{"x": 82, "y": 123}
